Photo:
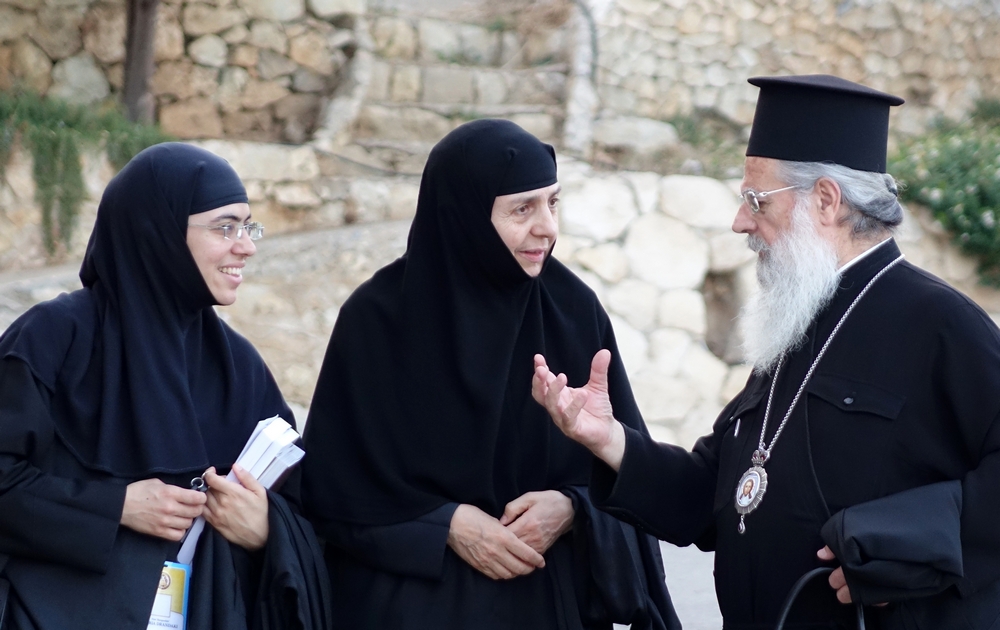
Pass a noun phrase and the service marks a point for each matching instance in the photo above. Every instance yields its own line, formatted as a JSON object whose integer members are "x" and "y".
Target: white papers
{"x": 268, "y": 455}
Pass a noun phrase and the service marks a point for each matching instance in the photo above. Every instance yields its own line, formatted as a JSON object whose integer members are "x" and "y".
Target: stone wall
{"x": 662, "y": 58}
{"x": 249, "y": 69}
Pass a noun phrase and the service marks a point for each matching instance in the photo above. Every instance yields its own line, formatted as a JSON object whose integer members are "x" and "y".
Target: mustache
{"x": 757, "y": 243}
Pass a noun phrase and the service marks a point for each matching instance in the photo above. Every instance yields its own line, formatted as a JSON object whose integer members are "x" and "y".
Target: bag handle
{"x": 797, "y": 588}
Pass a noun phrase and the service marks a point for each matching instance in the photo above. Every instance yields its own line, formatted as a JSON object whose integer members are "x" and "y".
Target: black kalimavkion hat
{"x": 821, "y": 118}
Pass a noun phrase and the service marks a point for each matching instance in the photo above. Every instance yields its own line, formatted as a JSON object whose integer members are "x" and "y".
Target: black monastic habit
{"x": 906, "y": 397}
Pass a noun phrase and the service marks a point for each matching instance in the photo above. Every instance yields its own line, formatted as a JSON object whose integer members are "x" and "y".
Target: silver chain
{"x": 764, "y": 454}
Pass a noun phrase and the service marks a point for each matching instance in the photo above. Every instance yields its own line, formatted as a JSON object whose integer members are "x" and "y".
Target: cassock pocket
{"x": 855, "y": 396}
{"x": 739, "y": 417}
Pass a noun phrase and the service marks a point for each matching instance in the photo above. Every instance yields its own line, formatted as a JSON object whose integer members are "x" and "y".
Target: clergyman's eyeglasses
{"x": 752, "y": 197}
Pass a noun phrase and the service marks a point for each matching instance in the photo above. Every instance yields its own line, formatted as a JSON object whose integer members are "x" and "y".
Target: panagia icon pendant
{"x": 751, "y": 488}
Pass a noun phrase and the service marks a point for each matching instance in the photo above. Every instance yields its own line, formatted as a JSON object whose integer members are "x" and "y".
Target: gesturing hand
{"x": 158, "y": 509}
{"x": 539, "y": 518}
{"x": 488, "y": 546}
{"x": 837, "y": 579}
{"x": 583, "y": 413}
{"x": 238, "y": 512}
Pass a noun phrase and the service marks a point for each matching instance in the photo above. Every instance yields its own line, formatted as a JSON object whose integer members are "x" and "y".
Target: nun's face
{"x": 219, "y": 259}
{"x": 528, "y": 224}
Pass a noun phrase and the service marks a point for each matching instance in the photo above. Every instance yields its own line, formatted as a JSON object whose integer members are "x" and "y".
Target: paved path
{"x": 692, "y": 587}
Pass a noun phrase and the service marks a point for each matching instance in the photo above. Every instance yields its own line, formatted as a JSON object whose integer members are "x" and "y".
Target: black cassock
{"x": 905, "y": 399}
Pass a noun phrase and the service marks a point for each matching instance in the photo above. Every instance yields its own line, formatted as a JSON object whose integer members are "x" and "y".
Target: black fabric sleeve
{"x": 414, "y": 548}
{"x": 664, "y": 489}
{"x": 43, "y": 516}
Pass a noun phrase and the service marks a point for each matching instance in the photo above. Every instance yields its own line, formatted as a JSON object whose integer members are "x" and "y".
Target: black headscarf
{"x": 424, "y": 396}
{"x": 145, "y": 377}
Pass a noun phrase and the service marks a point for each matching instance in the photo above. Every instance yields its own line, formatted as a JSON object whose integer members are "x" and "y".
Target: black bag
{"x": 797, "y": 588}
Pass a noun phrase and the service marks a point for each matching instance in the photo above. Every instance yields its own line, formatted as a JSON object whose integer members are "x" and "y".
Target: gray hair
{"x": 871, "y": 197}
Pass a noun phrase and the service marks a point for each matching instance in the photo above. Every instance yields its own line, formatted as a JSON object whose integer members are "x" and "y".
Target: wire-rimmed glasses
{"x": 254, "y": 230}
{"x": 752, "y": 197}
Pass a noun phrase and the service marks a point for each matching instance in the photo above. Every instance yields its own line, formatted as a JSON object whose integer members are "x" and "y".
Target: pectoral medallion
{"x": 750, "y": 490}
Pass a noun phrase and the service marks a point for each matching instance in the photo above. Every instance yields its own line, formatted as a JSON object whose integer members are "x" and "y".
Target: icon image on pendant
{"x": 750, "y": 491}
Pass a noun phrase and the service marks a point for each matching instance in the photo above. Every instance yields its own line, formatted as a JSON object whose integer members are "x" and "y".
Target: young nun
{"x": 113, "y": 397}
{"x": 446, "y": 497}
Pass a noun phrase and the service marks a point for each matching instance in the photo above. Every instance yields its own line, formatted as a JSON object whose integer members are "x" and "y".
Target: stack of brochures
{"x": 269, "y": 455}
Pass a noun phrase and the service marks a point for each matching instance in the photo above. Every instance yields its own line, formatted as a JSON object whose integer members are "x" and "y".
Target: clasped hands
{"x": 514, "y": 544}
{"x": 238, "y": 512}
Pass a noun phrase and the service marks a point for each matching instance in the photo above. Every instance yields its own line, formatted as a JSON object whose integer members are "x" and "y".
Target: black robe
{"x": 907, "y": 396}
{"x": 423, "y": 403}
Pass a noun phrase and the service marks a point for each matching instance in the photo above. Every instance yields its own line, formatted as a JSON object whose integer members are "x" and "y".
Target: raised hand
{"x": 583, "y": 413}
{"x": 159, "y": 509}
{"x": 539, "y": 518}
{"x": 488, "y": 546}
{"x": 238, "y": 512}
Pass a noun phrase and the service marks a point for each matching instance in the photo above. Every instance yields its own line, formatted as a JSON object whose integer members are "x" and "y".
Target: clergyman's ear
{"x": 829, "y": 195}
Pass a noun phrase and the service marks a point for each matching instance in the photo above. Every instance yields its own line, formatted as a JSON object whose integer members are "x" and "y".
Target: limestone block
{"x": 666, "y": 252}
{"x": 14, "y": 24}
{"x": 310, "y": 50}
{"x": 305, "y": 80}
{"x": 728, "y": 251}
{"x": 567, "y": 246}
{"x": 236, "y": 35}
{"x": 271, "y": 65}
{"x": 19, "y": 174}
{"x": 6, "y": 67}
{"x": 104, "y": 32}
{"x": 403, "y": 199}
{"x": 658, "y": 431}
{"x": 79, "y": 80}
{"x": 277, "y": 10}
{"x": 234, "y": 81}
{"x": 683, "y": 309}
{"x": 402, "y": 123}
{"x": 268, "y": 35}
{"x": 447, "y": 84}
{"x": 394, "y": 38}
{"x": 267, "y": 162}
{"x": 438, "y": 41}
{"x": 662, "y": 398}
{"x": 697, "y": 423}
{"x": 183, "y": 79}
{"x": 260, "y": 94}
{"x": 58, "y": 32}
{"x": 296, "y": 195}
{"x": 203, "y": 19}
{"x": 646, "y": 187}
{"x": 541, "y": 126}
{"x": 735, "y": 381}
{"x": 367, "y": 201}
{"x": 491, "y": 88}
{"x": 255, "y": 191}
{"x": 244, "y": 56}
{"x": 698, "y": 201}
{"x": 168, "y": 42}
{"x": 405, "y": 84}
{"x": 632, "y": 345}
{"x": 641, "y": 135}
{"x": 667, "y": 349}
{"x": 704, "y": 371}
{"x": 544, "y": 46}
{"x": 635, "y": 301}
{"x": 332, "y": 8}
{"x": 606, "y": 260}
{"x": 209, "y": 50}
{"x": 32, "y": 66}
{"x": 479, "y": 45}
{"x": 597, "y": 208}
{"x": 957, "y": 266}
{"x": 194, "y": 118}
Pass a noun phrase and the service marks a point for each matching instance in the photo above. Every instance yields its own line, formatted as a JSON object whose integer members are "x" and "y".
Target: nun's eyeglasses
{"x": 752, "y": 197}
{"x": 254, "y": 230}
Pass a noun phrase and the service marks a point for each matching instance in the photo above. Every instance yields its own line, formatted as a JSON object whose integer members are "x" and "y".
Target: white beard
{"x": 798, "y": 277}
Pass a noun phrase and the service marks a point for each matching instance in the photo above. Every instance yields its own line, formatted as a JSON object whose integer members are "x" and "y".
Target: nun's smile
{"x": 528, "y": 224}
{"x": 221, "y": 258}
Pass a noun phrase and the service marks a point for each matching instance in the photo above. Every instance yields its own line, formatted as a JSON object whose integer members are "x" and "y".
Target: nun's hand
{"x": 583, "y": 413}
{"x": 159, "y": 509}
{"x": 488, "y": 546}
{"x": 238, "y": 512}
{"x": 539, "y": 518}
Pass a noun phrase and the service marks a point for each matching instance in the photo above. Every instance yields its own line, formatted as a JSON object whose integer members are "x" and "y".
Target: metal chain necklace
{"x": 753, "y": 484}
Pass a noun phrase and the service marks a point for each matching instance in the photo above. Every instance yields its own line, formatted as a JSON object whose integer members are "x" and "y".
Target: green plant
{"x": 54, "y": 132}
{"x": 954, "y": 169}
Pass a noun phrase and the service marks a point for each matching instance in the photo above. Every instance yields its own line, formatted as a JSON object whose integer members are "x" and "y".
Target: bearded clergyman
{"x": 869, "y": 423}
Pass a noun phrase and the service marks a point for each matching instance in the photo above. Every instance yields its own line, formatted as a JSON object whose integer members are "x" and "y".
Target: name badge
{"x": 170, "y": 606}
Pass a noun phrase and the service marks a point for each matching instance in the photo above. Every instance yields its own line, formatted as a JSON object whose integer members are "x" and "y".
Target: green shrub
{"x": 55, "y": 131}
{"x": 954, "y": 170}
